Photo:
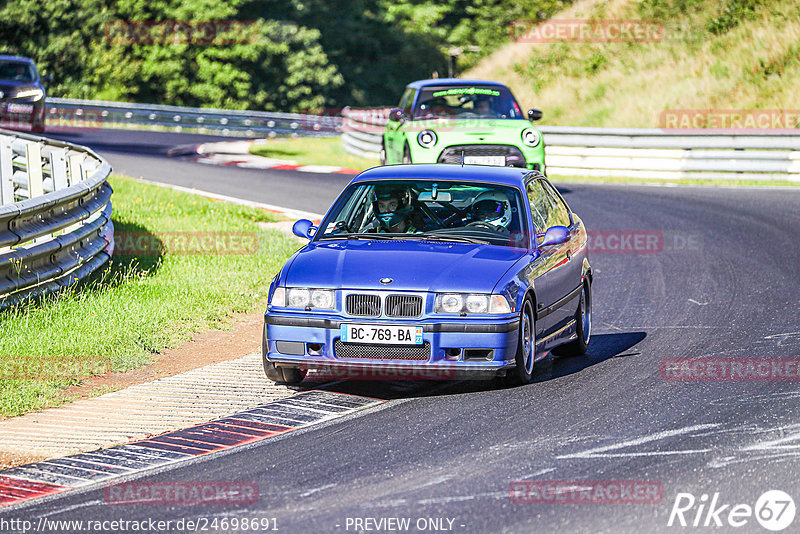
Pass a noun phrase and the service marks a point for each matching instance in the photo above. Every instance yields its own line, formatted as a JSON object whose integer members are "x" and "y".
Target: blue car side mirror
{"x": 555, "y": 235}
{"x": 304, "y": 228}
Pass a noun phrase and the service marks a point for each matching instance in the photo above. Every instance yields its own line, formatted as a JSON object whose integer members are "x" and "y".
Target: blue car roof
{"x": 451, "y": 81}
{"x": 512, "y": 176}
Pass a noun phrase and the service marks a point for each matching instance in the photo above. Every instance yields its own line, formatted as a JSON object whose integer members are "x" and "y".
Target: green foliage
{"x": 272, "y": 65}
{"x": 294, "y": 55}
{"x": 595, "y": 62}
{"x": 666, "y": 9}
{"x": 732, "y": 12}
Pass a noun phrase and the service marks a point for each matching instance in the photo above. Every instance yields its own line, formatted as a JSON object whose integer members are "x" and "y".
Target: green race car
{"x": 453, "y": 121}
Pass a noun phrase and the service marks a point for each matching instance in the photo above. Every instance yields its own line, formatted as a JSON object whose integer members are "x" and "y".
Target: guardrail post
{"x": 75, "y": 169}
{"x": 6, "y": 172}
{"x": 33, "y": 159}
{"x": 58, "y": 169}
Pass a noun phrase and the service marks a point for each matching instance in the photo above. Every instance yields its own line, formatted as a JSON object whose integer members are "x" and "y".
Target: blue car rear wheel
{"x": 583, "y": 325}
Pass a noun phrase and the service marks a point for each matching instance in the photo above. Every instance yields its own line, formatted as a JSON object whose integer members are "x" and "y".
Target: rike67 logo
{"x": 774, "y": 510}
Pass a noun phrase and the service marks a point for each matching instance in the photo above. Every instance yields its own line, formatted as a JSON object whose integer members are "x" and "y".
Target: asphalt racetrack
{"x": 720, "y": 282}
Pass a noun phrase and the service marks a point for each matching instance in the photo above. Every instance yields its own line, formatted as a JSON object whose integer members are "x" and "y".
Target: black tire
{"x": 288, "y": 376}
{"x": 407, "y": 155}
{"x": 583, "y": 325}
{"x": 526, "y": 347}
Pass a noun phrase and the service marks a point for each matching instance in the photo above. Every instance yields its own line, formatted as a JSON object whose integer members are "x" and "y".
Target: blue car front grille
{"x": 382, "y": 352}
{"x": 372, "y": 305}
{"x": 403, "y": 306}
{"x": 363, "y": 305}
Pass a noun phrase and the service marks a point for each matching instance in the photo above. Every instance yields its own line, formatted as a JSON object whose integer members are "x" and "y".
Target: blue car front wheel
{"x": 526, "y": 347}
{"x": 289, "y": 376}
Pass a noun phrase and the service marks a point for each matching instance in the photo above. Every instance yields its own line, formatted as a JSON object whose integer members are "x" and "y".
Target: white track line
{"x": 289, "y": 212}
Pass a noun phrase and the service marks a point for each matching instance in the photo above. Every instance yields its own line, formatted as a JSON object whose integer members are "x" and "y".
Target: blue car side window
{"x": 558, "y": 213}
{"x": 537, "y": 198}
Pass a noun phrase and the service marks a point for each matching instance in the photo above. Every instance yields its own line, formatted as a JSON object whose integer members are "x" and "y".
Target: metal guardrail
{"x": 99, "y": 113}
{"x": 55, "y": 215}
{"x": 647, "y": 153}
{"x": 362, "y": 130}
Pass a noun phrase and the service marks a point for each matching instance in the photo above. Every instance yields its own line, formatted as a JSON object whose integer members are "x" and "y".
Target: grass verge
{"x": 713, "y": 55}
{"x": 311, "y": 151}
{"x": 191, "y": 263}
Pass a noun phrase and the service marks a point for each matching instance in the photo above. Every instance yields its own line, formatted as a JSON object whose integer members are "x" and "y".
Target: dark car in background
{"x": 21, "y": 94}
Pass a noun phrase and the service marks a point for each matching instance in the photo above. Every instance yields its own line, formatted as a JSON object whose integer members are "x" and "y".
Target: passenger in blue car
{"x": 394, "y": 210}
{"x": 492, "y": 210}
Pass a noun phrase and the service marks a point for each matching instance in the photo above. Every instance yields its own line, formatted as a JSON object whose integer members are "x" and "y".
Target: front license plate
{"x": 20, "y": 108}
{"x": 499, "y": 161}
{"x": 381, "y": 334}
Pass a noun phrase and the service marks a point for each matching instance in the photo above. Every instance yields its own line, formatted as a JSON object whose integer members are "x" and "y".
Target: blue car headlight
{"x": 303, "y": 297}
{"x": 471, "y": 303}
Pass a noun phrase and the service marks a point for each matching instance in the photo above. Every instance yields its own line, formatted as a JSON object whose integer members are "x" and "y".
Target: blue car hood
{"x": 413, "y": 265}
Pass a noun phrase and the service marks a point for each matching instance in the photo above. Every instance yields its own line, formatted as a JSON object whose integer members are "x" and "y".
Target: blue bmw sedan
{"x": 435, "y": 271}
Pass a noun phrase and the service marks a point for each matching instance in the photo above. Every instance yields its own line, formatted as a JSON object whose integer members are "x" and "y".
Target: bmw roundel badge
{"x": 386, "y": 281}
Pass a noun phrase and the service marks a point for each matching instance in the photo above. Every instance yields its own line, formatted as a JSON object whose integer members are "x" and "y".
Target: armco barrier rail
{"x": 55, "y": 215}
{"x": 631, "y": 152}
{"x": 99, "y": 113}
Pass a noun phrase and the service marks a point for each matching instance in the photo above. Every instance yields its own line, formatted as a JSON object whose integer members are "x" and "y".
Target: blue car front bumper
{"x": 452, "y": 348}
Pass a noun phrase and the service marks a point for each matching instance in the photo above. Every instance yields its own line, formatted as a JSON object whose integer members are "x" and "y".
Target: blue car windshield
{"x": 468, "y": 101}
{"x": 427, "y": 209}
{"x": 18, "y": 71}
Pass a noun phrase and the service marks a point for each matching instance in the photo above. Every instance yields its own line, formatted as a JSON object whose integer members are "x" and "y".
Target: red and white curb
{"x": 23, "y": 483}
{"x": 237, "y": 154}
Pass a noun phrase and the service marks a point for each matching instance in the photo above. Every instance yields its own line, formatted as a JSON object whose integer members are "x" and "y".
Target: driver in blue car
{"x": 394, "y": 210}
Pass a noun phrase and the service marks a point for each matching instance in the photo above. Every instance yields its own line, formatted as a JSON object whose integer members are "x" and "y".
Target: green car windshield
{"x": 468, "y": 101}
{"x": 476, "y": 213}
